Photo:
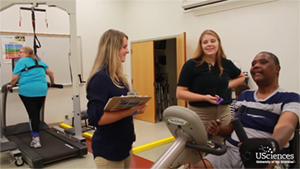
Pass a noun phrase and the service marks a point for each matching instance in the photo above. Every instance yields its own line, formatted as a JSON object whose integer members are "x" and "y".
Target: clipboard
{"x": 125, "y": 102}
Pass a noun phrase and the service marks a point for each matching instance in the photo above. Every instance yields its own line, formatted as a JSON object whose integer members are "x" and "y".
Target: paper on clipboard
{"x": 123, "y": 103}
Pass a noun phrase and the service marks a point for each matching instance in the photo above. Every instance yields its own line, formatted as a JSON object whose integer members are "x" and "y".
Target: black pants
{"x": 33, "y": 106}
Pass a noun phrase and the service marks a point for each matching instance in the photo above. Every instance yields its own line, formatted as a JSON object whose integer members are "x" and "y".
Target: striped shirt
{"x": 232, "y": 109}
{"x": 259, "y": 116}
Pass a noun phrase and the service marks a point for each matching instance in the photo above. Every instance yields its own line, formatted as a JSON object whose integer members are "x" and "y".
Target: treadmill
{"x": 6, "y": 145}
{"x": 55, "y": 146}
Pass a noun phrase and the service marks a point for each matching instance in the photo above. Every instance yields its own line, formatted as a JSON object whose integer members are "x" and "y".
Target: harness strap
{"x": 34, "y": 66}
{"x": 36, "y": 42}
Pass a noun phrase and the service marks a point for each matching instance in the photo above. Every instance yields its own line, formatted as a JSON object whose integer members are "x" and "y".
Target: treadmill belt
{"x": 52, "y": 147}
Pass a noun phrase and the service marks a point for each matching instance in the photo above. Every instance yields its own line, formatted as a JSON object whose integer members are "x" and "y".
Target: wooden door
{"x": 181, "y": 59}
{"x": 143, "y": 76}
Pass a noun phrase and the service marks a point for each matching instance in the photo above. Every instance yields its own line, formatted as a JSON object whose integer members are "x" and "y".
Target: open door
{"x": 143, "y": 76}
{"x": 181, "y": 59}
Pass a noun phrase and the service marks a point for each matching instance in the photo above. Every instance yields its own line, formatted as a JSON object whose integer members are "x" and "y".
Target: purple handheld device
{"x": 219, "y": 100}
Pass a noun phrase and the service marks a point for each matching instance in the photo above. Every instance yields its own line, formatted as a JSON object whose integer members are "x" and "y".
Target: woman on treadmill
{"x": 113, "y": 138}
{"x": 30, "y": 73}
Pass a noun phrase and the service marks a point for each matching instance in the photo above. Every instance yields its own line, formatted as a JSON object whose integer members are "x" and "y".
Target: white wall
{"x": 244, "y": 32}
{"x": 93, "y": 18}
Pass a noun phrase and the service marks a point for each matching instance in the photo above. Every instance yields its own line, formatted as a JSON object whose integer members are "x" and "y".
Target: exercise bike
{"x": 190, "y": 139}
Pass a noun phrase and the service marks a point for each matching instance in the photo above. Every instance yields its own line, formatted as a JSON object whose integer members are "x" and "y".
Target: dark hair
{"x": 239, "y": 89}
{"x": 274, "y": 57}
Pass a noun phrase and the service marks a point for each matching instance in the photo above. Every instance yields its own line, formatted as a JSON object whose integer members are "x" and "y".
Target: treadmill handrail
{"x": 3, "y": 106}
{"x": 4, "y": 101}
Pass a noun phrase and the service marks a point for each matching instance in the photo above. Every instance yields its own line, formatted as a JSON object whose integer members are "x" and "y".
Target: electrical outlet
{"x": 66, "y": 117}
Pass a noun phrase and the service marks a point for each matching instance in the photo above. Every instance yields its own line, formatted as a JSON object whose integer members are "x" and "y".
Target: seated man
{"x": 269, "y": 116}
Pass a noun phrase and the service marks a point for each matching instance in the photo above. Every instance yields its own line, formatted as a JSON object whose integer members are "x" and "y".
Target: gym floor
{"x": 149, "y": 145}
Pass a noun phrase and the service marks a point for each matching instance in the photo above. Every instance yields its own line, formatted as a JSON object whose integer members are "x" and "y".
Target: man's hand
{"x": 213, "y": 127}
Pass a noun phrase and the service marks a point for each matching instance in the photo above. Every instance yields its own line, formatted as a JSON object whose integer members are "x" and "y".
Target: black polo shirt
{"x": 198, "y": 79}
{"x": 111, "y": 141}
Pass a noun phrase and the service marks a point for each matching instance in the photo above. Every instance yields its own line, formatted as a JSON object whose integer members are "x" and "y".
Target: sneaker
{"x": 35, "y": 143}
{"x": 32, "y": 143}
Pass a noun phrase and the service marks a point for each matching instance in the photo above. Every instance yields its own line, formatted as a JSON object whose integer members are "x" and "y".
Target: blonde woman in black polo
{"x": 113, "y": 138}
{"x": 206, "y": 77}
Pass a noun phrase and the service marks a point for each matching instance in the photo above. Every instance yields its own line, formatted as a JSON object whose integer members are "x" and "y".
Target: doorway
{"x": 156, "y": 66}
{"x": 165, "y": 75}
